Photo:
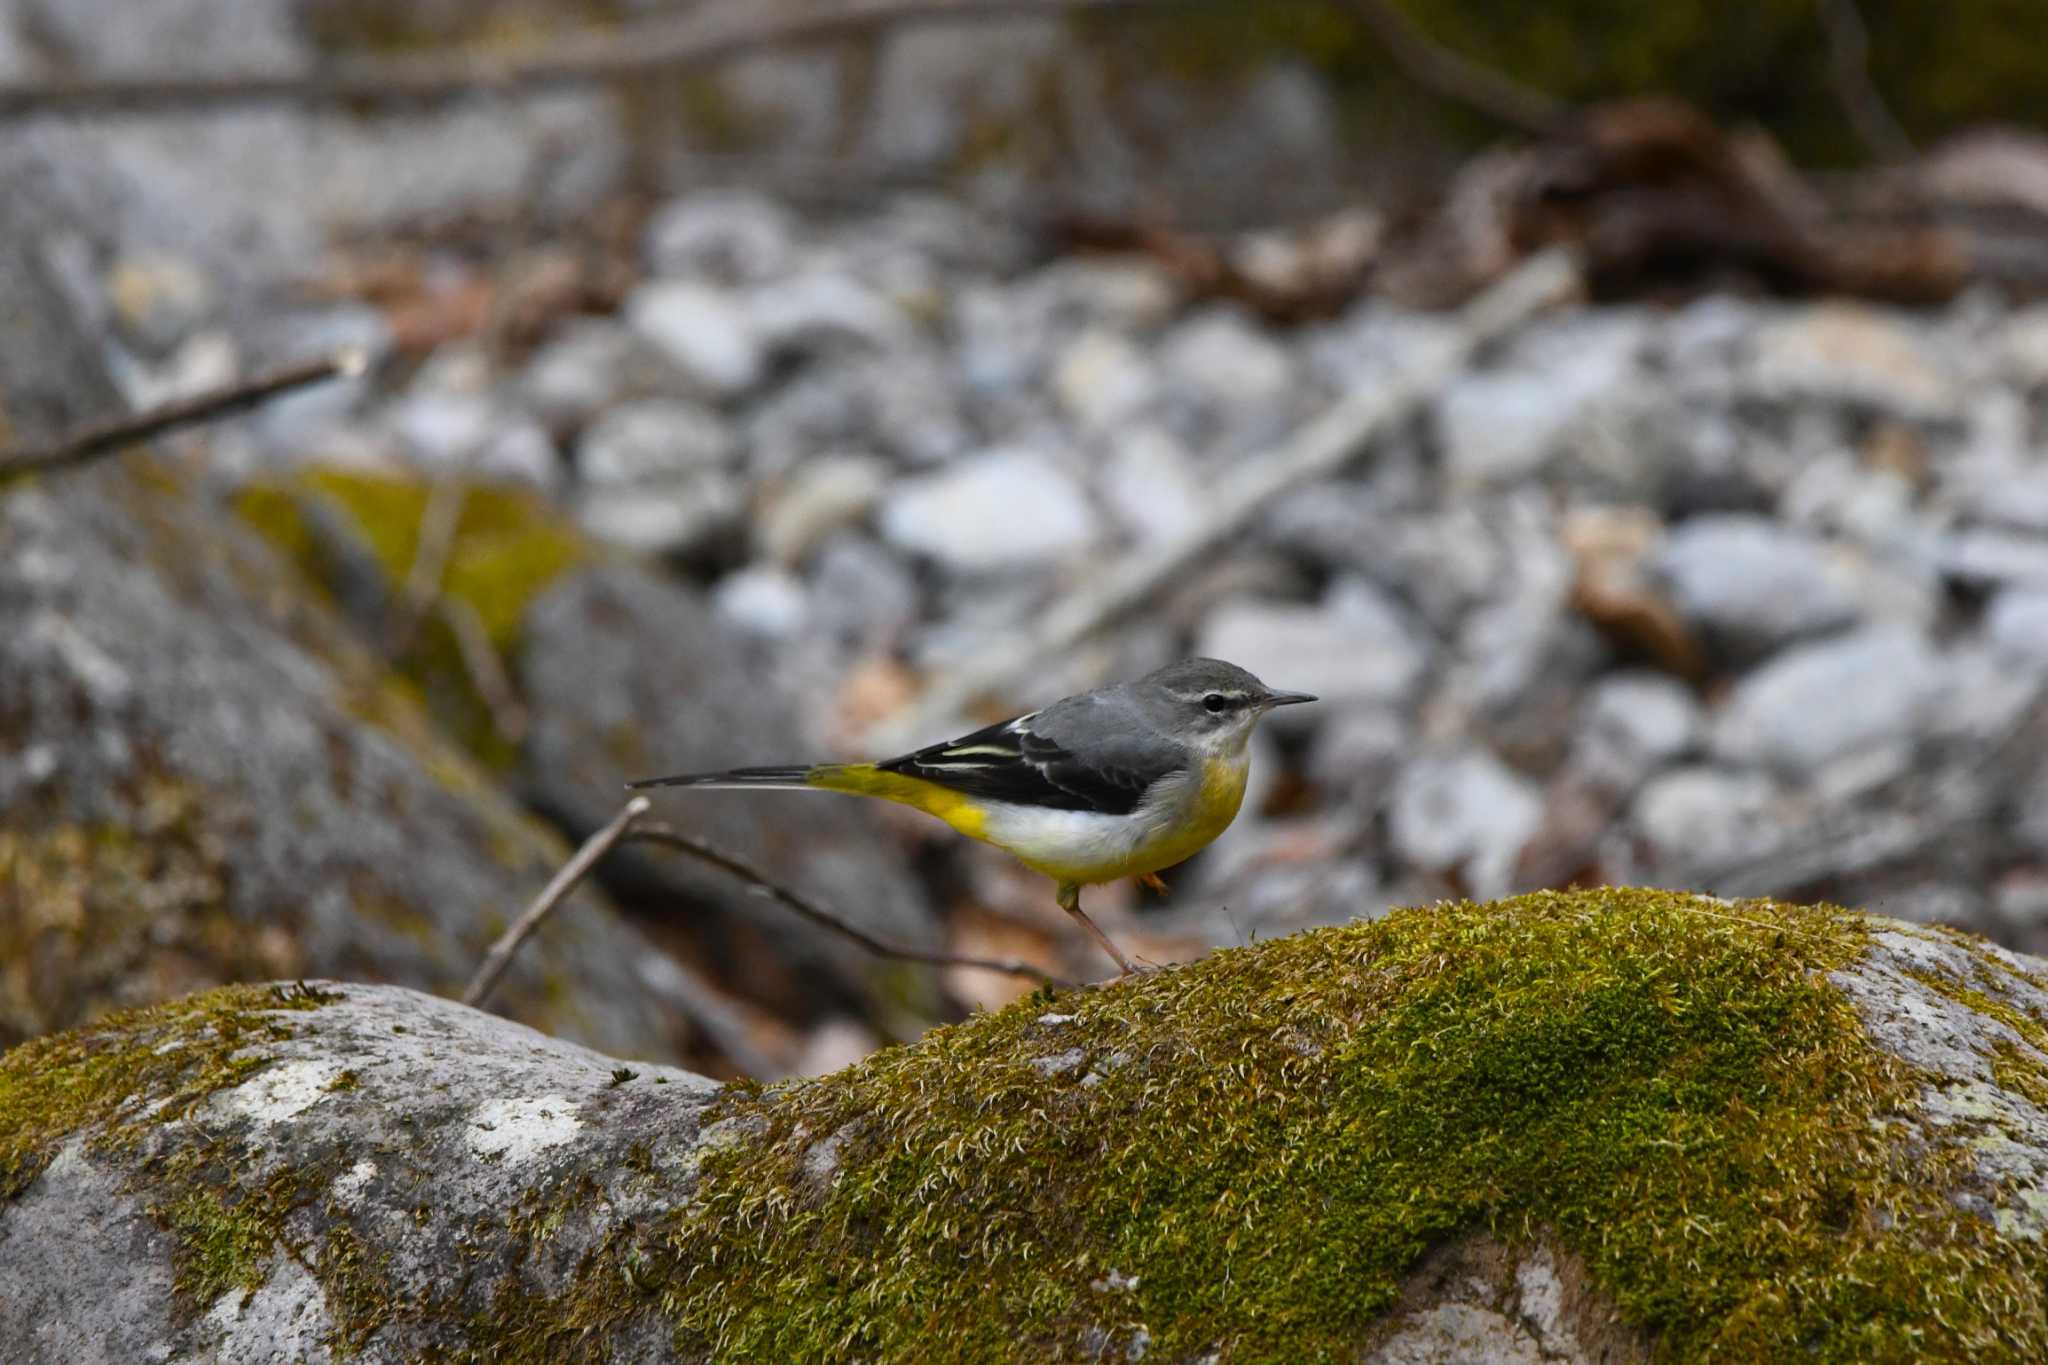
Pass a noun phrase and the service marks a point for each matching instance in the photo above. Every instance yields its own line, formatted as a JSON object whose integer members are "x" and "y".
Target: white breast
{"x": 1089, "y": 846}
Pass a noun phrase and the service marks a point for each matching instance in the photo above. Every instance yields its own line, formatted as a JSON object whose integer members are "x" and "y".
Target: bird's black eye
{"x": 1214, "y": 703}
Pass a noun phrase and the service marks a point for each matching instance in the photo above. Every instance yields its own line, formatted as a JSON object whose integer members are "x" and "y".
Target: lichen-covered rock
{"x": 204, "y": 777}
{"x": 1601, "y": 1126}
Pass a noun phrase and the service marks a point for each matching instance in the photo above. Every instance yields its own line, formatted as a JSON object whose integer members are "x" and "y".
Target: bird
{"x": 1118, "y": 782}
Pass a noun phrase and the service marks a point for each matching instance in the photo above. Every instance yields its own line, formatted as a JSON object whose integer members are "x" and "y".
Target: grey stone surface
{"x": 2017, "y": 623}
{"x": 169, "y": 687}
{"x": 1355, "y": 647}
{"x": 1826, "y": 700}
{"x": 1002, "y": 509}
{"x": 1632, "y": 724}
{"x": 1753, "y": 585}
{"x": 1464, "y": 812}
{"x": 706, "y": 332}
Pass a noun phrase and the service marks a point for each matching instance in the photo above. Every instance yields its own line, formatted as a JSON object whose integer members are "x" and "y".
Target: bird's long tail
{"x": 800, "y": 776}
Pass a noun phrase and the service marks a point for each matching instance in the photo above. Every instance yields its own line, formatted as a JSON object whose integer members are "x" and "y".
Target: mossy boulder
{"x": 206, "y": 776}
{"x": 1607, "y": 1125}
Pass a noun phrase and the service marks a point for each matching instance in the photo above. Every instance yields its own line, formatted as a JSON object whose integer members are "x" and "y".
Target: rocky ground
{"x": 1722, "y": 592}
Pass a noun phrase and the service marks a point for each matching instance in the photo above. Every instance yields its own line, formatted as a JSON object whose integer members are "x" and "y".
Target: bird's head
{"x": 1209, "y": 703}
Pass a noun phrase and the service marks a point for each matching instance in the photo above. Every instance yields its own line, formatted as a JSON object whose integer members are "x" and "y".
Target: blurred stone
{"x": 1632, "y": 724}
{"x": 1702, "y": 819}
{"x": 837, "y": 1043}
{"x": 652, "y": 440}
{"x": 1751, "y": 584}
{"x": 1850, "y": 353}
{"x": 2017, "y": 623}
{"x": 441, "y": 430}
{"x": 818, "y": 498}
{"x": 1821, "y": 701}
{"x": 817, "y": 311}
{"x": 2001, "y": 492}
{"x": 1463, "y": 812}
{"x": 1151, "y": 484}
{"x": 653, "y": 477}
{"x": 2020, "y": 904}
{"x": 762, "y": 599}
{"x": 160, "y": 300}
{"x": 1002, "y": 509}
{"x": 1121, "y": 293}
{"x": 862, "y": 593}
{"x": 1354, "y": 648}
{"x": 1222, "y": 355}
{"x": 588, "y": 364}
{"x": 732, "y": 236}
{"x": 521, "y": 452}
{"x": 1356, "y": 751}
{"x": 705, "y": 332}
{"x": 1503, "y": 424}
{"x": 1102, "y": 379}
{"x": 1995, "y": 559}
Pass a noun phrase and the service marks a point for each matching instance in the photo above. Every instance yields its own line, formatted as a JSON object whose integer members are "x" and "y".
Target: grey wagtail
{"x": 1114, "y": 783}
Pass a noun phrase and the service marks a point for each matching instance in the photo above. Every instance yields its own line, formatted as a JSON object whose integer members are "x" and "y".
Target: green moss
{"x": 227, "y": 1239}
{"x": 93, "y": 915}
{"x": 116, "y": 1081}
{"x": 509, "y": 547}
{"x": 1273, "y": 1136}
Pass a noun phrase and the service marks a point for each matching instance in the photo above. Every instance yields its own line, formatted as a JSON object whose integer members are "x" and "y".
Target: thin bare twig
{"x": 1849, "y": 74}
{"x": 480, "y": 659}
{"x": 574, "y": 871}
{"x": 666, "y": 837}
{"x": 1318, "y": 450}
{"x": 698, "y": 39}
{"x": 439, "y": 522}
{"x": 97, "y": 439}
{"x": 1458, "y": 78}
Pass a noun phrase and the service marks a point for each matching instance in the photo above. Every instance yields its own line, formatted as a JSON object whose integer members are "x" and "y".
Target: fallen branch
{"x": 98, "y": 439}
{"x": 1849, "y": 74}
{"x": 574, "y": 871}
{"x": 439, "y": 522}
{"x": 626, "y": 826}
{"x": 1317, "y": 451}
{"x": 665, "y": 837}
{"x": 480, "y": 659}
{"x": 695, "y": 40}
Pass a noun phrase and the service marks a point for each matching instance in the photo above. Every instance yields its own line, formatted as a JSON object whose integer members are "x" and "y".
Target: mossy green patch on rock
{"x": 92, "y": 916}
{"x": 116, "y": 1081}
{"x": 1261, "y": 1144}
{"x": 508, "y": 547}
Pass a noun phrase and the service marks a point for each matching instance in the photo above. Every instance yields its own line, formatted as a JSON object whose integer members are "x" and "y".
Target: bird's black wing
{"x": 1031, "y": 761}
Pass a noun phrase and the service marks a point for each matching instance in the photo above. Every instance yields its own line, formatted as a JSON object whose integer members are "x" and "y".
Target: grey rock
{"x": 1753, "y": 585}
{"x": 1705, "y": 818}
{"x": 819, "y": 497}
{"x": 454, "y": 1118}
{"x": 442, "y": 430}
{"x": 653, "y": 441}
{"x": 1151, "y": 483}
{"x": 1119, "y": 294}
{"x": 1102, "y": 379}
{"x": 1357, "y": 750}
{"x": 1355, "y": 648}
{"x": 1464, "y": 812}
{"x": 1630, "y": 725}
{"x": 1001, "y": 509}
{"x": 160, "y": 300}
{"x": 589, "y": 364}
{"x": 2017, "y": 623}
{"x": 1504, "y": 424}
{"x": 629, "y": 676}
{"x": 654, "y": 478}
{"x": 932, "y": 84}
{"x": 705, "y": 332}
{"x": 763, "y": 600}
{"x": 862, "y": 593}
{"x": 291, "y": 814}
{"x": 1221, "y": 355}
{"x": 1995, "y": 559}
{"x": 818, "y": 311}
{"x": 732, "y": 236}
{"x": 1822, "y": 701}
{"x": 1852, "y": 354}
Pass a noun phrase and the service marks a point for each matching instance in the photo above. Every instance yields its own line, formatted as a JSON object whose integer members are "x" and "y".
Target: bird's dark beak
{"x": 1287, "y": 698}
